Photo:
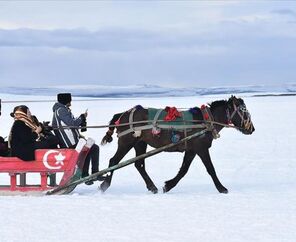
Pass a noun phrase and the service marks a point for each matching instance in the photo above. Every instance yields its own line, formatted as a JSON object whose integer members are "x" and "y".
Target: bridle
{"x": 242, "y": 112}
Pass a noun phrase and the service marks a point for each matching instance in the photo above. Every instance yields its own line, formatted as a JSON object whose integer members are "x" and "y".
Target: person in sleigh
{"x": 66, "y": 128}
{"x": 26, "y": 135}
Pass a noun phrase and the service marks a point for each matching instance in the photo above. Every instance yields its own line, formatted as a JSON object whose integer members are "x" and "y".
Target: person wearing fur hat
{"x": 69, "y": 137}
{"x": 25, "y": 135}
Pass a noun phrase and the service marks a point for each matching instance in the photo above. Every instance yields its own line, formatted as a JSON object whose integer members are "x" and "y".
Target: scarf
{"x": 19, "y": 115}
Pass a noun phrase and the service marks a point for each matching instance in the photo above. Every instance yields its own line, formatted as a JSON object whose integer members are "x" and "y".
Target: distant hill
{"x": 150, "y": 90}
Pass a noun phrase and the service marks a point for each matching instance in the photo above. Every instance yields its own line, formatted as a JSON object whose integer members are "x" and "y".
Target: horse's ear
{"x": 234, "y": 99}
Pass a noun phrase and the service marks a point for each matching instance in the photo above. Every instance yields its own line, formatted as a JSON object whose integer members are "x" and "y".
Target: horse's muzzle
{"x": 248, "y": 128}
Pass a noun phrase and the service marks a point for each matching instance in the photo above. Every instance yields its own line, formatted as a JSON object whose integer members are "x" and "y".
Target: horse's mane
{"x": 216, "y": 104}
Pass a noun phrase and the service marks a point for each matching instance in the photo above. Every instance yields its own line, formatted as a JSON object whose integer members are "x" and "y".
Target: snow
{"x": 258, "y": 170}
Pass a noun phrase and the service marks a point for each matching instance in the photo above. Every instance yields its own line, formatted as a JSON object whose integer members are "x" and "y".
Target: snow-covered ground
{"x": 259, "y": 171}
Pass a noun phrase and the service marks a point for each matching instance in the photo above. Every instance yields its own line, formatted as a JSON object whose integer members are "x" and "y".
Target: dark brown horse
{"x": 222, "y": 112}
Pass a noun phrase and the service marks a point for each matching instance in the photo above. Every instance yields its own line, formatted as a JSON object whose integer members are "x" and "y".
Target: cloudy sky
{"x": 168, "y": 43}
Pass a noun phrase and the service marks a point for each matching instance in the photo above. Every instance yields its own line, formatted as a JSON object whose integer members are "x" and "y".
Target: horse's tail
{"x": 108, "y": 136}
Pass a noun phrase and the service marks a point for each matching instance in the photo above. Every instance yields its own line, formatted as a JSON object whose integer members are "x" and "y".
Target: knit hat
{"x": 64, "y": 98}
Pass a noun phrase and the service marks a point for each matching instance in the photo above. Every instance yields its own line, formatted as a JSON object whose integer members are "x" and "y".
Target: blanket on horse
{"x": 169, "y": 116}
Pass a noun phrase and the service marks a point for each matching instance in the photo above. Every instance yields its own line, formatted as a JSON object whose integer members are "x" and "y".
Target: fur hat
{"x": 64, "y": 98}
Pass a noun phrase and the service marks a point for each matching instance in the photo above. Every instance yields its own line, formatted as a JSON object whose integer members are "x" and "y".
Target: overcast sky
{"x": 167, "y": 43}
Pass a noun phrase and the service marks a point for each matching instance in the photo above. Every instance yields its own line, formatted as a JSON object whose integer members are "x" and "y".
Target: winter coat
{"x": 23, "y": 141}
{"x": 62, "y": 116}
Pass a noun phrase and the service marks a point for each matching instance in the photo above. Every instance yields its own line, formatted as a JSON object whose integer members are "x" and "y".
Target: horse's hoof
{"x": 225, "y": 191}
{"x": 154, "y": 191}
{"x": 166, "y": 188}
{"x": 168, "y": 185}
{"x": 103, "y": 187}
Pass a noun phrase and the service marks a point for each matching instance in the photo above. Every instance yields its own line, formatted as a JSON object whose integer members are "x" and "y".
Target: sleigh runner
{"x": 47, "y": 162}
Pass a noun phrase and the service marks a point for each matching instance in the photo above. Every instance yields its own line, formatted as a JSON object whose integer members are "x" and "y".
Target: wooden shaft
{"x": 126, "y": 163}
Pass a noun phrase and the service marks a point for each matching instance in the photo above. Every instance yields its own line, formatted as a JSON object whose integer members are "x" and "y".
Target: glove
{"x": 83, "y": 117}
{"x": 83, "y": 122}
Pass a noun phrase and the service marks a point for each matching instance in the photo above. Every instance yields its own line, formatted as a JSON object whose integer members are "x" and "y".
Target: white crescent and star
{"x": 59, "y": 160}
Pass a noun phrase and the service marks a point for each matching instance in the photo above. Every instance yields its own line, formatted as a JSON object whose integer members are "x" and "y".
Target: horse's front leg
{"x": 206, "y": 159}
{"x": 188, "y": 158}
{"x": 122, "y": 150}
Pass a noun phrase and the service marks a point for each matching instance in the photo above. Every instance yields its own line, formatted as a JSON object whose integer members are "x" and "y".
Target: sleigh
{"x": 48, "y": 164}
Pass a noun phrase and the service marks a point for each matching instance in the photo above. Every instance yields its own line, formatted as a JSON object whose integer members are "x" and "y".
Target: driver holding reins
{"x": 69, "y": 136}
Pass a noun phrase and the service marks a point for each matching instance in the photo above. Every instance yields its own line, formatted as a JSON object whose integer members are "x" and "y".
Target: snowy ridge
{"x": 148, "y": 90}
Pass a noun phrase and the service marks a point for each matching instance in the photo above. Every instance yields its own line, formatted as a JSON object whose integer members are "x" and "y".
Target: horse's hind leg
{"x": 206, "y": 159}
{"x": 122, "y": 150}
{"x": 188, "y": 158}
{"x": 140, "y": 148}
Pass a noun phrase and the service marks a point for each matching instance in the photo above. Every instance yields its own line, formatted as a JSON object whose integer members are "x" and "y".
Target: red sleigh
{"x": 68, "y": 162}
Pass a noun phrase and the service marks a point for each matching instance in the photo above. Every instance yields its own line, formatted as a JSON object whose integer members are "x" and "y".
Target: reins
{"x": 145, "y": 122}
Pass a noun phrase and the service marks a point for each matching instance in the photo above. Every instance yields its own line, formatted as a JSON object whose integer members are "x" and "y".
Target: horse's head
{"x": 239, "y": 115}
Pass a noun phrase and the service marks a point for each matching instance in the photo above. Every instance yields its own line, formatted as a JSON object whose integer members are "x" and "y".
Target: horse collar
{"x": 208, "y": 117}
{"x": 228, "y": 116}
{"x": 206, "y": 112}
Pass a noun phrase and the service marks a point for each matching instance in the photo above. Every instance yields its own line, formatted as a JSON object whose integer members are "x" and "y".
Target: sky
{"x": 166, "y": 43}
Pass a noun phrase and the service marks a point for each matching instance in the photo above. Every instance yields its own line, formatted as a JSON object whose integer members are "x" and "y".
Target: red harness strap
{"x": 205, "y": 112}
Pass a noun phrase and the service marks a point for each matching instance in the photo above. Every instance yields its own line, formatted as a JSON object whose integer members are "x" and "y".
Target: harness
{"x": 207, "y": 116}
{"x": 240, "y": 110}
{"x": 156, "y": 125}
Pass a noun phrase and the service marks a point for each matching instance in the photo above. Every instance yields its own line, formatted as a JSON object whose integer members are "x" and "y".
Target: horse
{"x": 223, "y": 113}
